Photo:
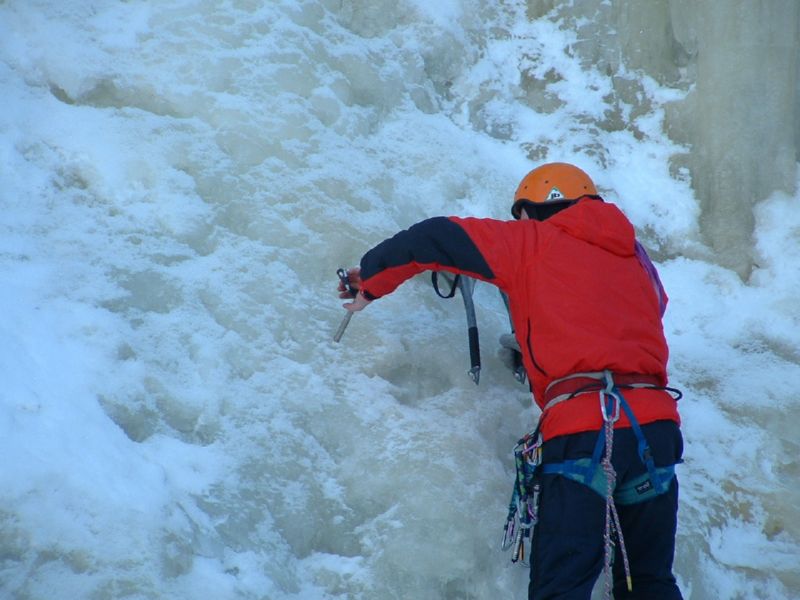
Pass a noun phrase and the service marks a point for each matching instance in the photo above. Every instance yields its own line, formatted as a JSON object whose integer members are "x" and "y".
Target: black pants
{"x": 568, "y": 545}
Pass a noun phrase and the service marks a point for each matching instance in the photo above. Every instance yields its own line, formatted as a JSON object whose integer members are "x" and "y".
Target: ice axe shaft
{"x": 342, "y": 326}
{"x": 345, "y": 279}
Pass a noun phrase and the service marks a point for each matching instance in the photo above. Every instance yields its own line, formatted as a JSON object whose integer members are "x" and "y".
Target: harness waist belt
{"x": 572, "y": 385}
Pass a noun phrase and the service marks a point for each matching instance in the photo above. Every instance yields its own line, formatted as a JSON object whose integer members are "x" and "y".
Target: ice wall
{"x": 178, "y": 182}
{"x": 741, "y": 117}
{"x": 738, "y": 60}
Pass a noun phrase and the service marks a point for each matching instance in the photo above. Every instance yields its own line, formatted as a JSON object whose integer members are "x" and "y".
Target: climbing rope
{"x": 610, "y": 416}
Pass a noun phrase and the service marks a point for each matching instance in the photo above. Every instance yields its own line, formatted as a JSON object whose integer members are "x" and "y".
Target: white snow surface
{"x": 180, "y": 180}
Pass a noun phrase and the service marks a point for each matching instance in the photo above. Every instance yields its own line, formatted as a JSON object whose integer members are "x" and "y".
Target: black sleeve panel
{"x": 437, "y": 242}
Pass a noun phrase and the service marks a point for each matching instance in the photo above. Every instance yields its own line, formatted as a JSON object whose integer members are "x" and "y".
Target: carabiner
{"x": 610, "y": 391}
{"x": 508, "y": 534}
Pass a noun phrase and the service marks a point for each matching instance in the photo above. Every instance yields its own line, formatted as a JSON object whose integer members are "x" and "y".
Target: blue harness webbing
{"x": 586, "y": 470}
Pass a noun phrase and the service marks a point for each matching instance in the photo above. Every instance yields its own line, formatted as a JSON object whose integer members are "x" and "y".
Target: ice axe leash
{"x": 345, "y": 279}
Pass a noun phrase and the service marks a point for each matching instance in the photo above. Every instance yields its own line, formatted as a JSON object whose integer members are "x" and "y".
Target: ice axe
{"x": 345, "y": 279}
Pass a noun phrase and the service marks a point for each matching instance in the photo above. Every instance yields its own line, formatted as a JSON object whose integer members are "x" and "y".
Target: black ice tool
{"x": 345, "y": 279}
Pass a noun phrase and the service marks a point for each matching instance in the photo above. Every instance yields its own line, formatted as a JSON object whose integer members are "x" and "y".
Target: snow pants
{"x": 567, "y": 551}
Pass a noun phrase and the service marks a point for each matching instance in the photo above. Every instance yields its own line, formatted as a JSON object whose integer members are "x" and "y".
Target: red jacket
{"x": 581, "y": 300}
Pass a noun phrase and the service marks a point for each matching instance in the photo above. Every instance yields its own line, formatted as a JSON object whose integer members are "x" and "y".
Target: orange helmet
{"x": 551, "y": 183}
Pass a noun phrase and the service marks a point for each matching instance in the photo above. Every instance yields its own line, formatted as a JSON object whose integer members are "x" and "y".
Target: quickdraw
{"x": 524, "y": 505}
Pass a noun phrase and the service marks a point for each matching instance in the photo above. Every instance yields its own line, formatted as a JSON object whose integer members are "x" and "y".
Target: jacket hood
{"x": 598, "y": 223}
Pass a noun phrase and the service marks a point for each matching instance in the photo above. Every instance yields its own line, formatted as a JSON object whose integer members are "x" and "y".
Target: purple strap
{"x": 645, "y": 261}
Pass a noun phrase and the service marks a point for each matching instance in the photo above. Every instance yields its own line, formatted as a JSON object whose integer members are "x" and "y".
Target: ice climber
{"x": 586, "y": 306}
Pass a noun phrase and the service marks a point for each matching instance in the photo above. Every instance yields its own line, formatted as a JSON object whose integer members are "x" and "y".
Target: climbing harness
{"x": 585, "y": 470}
{"x": 596, "y": 472}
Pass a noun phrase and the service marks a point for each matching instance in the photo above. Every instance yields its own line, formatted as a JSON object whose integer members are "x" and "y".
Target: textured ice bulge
{"x": 740, "y": 119}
